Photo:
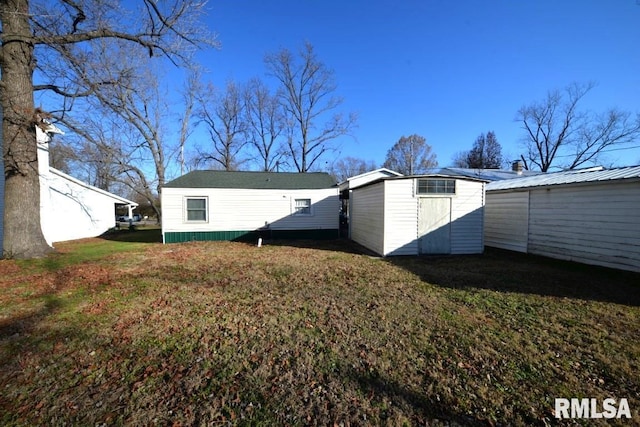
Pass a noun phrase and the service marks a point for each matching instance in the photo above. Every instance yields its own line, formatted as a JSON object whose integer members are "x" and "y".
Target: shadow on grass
{"x": 506, "y": 271}
{"x": 334, "y": 245}
{"x": 136, "y": 235}
{"x": 426, "y": 410}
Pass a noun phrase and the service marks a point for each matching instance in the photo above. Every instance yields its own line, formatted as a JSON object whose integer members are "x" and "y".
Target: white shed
{"x": 221, "y": 205}
{"x": 347, "y": 186}
{"x": 414, "y": 215}
{"x": 590, "y": 216}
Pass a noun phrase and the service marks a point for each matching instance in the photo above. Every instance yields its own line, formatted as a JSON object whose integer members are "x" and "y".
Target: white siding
{"x": 467, "y": 218}
{"x": 247, "y": 210}
{"x": 595, "y": 224}
{"x": 384, "y": 217}
{"x": 507, "y": 220}
{"x": 367, "y": 217}
{"x": 72, "y": 211}
{"x": 400, "y": 218}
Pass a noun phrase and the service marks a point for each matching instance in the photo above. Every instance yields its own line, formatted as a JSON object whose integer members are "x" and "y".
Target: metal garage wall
{"x": 507, "y": 220}
{"x": 596, "y": 223}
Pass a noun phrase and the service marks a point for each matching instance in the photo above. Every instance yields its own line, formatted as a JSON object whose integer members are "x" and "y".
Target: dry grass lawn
{"x": 107, "y": 332}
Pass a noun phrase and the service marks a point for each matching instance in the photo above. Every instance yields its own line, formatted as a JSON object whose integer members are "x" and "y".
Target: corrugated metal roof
{"x": 596, "y": 174}
{"x": 253, "y": 180}
{"x": 485, "y": 174}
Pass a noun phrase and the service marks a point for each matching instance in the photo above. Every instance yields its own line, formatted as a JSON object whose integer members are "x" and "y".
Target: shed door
{"x": 434, "y": 225}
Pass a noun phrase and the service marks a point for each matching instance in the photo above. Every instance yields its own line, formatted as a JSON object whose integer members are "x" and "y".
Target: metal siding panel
{"x": 401, "y": 218}
{"x": 467, "y": 218}
{"x": 597, "y": 225}
{"x": 507, "y": 220}
{"x": 367, "y": 217}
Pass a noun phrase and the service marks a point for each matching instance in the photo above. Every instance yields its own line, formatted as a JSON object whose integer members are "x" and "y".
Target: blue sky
{"x": 446, "y": 70}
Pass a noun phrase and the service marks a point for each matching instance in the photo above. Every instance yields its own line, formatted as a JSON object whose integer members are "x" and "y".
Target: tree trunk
{"x": 23, "y": 236}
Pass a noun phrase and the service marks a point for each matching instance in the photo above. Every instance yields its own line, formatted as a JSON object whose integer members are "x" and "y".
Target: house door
{"x": 434, "y": 225}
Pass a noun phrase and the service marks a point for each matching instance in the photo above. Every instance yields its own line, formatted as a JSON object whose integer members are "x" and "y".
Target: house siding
{"x": 594, "y": 224}
{"x": 240, "y": 211}
{"x": 507, "y": 220}
{"x": 367, "y": 217}
{"x": 401, "y": 218}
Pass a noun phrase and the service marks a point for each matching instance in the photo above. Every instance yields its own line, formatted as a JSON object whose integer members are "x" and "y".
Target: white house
{"x": 69, "y": 208}
{"x": 414, "y": 215}
{"x": 590, "y": 216}
{"x": 222, "y": 205}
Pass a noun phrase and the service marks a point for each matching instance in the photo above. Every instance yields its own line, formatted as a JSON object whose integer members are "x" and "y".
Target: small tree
{"x": 486, "y": 153}
{"x": 411, "y": 155}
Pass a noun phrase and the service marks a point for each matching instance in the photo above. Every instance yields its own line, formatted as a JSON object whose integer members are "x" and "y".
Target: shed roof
{"x": 253, "y": 180}
{"x": 363, "y": 178}
{"x": 485, "y": 174}
{"x": 428, "y": 176}
{"x": 590, "y": 175}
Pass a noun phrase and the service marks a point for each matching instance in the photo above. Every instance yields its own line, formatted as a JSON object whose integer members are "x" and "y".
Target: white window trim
{"x": 417, "y": 194}
{"x": 295, "y": 212}
{"x": 186, "y": 212}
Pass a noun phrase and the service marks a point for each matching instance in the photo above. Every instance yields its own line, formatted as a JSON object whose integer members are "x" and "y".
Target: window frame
{"x": 309, "y": 210}
{"x": 444, "y": 193}
{"x": 187, "y": 210}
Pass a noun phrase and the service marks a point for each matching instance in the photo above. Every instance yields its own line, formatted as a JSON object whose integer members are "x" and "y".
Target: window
{"x": 303, "y": 207}
{"x": 436, "y": 186}
{"x": 196, "y": 209}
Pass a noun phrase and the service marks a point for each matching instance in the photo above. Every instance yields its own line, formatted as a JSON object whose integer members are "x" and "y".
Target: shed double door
{"x": 434, "y": 225}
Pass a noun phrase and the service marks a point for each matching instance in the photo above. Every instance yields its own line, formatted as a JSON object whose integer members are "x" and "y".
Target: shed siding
{"x": 507, "y": 220}
{"x": 246, "y": 209}
{"x": 467, "y": 218}
{"x": 595, "y": 224}
{"x": 385, "y": 215}
{"x": 400, "y": 218}
{"x": 367, "y": 217}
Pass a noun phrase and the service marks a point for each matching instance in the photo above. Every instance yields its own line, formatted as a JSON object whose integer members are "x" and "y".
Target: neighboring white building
{"x": 590, "y": 216}
{"x": 415, "y": 215}
{"x": 69, "y": 208}
{"x": 222, "y": 205}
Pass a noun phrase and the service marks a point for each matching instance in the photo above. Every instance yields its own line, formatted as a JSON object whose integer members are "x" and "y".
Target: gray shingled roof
{"x": 253, "y": 180}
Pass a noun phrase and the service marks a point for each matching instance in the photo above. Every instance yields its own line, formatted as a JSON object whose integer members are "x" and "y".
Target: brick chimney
{"x": 517, "y": 167}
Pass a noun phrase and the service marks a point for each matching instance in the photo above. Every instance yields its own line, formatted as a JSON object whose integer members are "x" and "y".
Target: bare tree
{"x": 191, "y": 88}
{"x": 223, "y": 115}
{"x": 49, "y": 36}
{"x": 555, "y": 129}
{"x": 265, "y": 124}
{"x": 307, "y": 96}
{"x": 411, "y": 155}
{"x": 347, "y": 167}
